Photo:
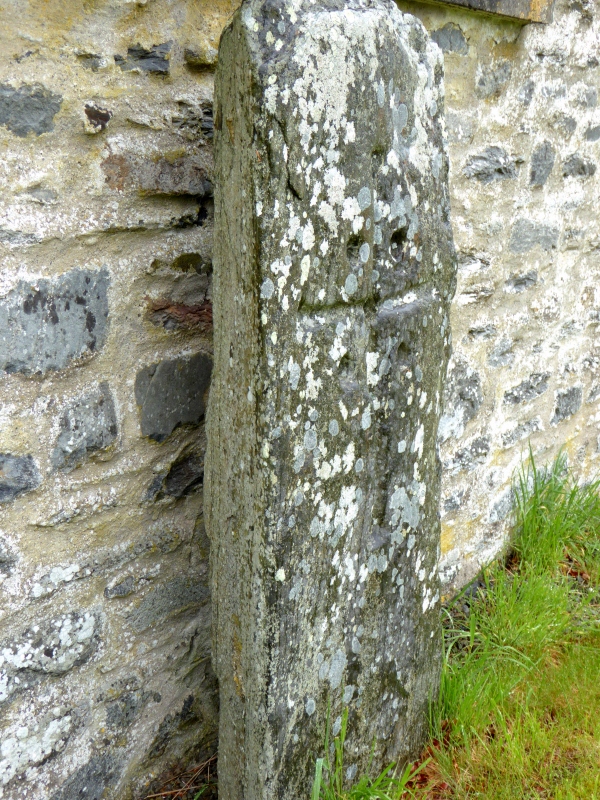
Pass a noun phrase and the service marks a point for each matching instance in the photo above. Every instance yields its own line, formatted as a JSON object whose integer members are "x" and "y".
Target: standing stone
{"x": 334, "y": 268}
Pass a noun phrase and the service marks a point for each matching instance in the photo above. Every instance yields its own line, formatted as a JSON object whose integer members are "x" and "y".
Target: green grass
{"x": 329, "y": 783}
{"x": 518, "y": 714}
{"x": 519, "y": 708}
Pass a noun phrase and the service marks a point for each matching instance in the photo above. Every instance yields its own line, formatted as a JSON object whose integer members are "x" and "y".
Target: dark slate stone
{"x": 492, "y": 79}
{"x": 482, "y": 331}
{"x": 28, "y": 109}
{"x": 493, "y": 164}
{"x": 463, "y": 398}
{"x": 542, "y": 162}
{"x": 535, "y": 385}
{"x": 7, "y": 559}
{"x": 124, "y": 710}
{"x": 522, "y": 431}
{"x": 502, "y": 354}
{"x": 172, "y": 393}
{"x": 526, "y": 92}
{"x": 519, "y": 283}
{"x": 49, "y": 324}
{"x": 155, "y": 60}
{"x": 91, "y": 781}
{"x": 18, "y": 474}
{"x": 91, "y": 61}
{"x": 467, "y": 458}
{"x": 122, "y": 589}
{"x": 184, "y": 476}
{"x": 568, "y": 402}
{"x": 575, "y": 166}
{"x": 526, "y": 234}
{"x": 172, "y": 597}
{"x": 451, "y": 39}
{"x": 87, "y": 426}
{"x": 567, "y": 125}
{"x": 593, "y": 133}
{"x": 173, "y": 724}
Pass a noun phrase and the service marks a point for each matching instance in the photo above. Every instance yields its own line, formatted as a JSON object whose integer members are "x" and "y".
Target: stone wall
{"x": 105, "y": 317}
{"x": 524, "y": 131}
{"x": 105, "y": 342}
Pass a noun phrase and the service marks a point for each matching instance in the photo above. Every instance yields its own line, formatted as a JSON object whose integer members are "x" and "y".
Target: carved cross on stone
{"x": 334, "y": 269}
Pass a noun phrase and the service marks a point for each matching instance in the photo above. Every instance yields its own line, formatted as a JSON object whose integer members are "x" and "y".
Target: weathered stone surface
{"x": 521, "y": 431}
{"x": 92, "y": 780}
{"x": 462, "y": 399}
{"x": 50, "y": 323}
{"x": 527, "y": 234}
{"x": 542, "y": 162}
{"x": 531, "y": 10}
{"x": 334, "y": 267}
{"x": 32, "y": 744}
{"x": 169, "y": 598}
{"x": 184, "y": 476}
{"x": 172, "y": 393}
{"x": 493, "y": 164}
{"x": 519, "y": 283}
{"x": 7, "y": 559}
{"x": 189, "y": 175}
{"x": 28, "y": 109}
{"x": 87, "y": 426}
{"x": 467, "y": 458}
{"x": 593, "y": 133}
{"x": 502, "y": 355}
{"x": 575, "y": 166}
{"x": 53, "y": 647}
{"x": 492, "y": 79}
{"x": 532, "y": 387}
{"x": 451, "y": 39}
{"x": 567, "y": 403}
{"x": 156, "y": 60}
{"x": 18, "y": 474}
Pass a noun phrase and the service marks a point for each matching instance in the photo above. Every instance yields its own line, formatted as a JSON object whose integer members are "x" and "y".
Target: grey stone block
{"x": 519, "y": 283}
{"x": 451, "y": 39}
{"x": 463, "y": 398}
{"x": 172, "y": 393}
{"x": 532, "y": 387}
{"x": 155, "y": 60}
{"x": 493, "y": 164}
{"x": 18, "y": 474}
{"x": 575, "y": 166}
{"x": 89, "y": 425}
{"x": 7, "y": 559}
{"x": 593, "y": 133}
{"x": 542, "y": 163}
{"x": 171, "y": 597}
{"x": 47, "y": 325}
{"x": 568, "y": 402}
{"x": 52, "y": 647}
{"x": 334, "y": 268}
{"x": 522, "y": 431}
{"x": 92, "y": 780}
{"x": 527, "y": 234}
{"x": 492, "y": 79}
{"x": 28, "y": 109}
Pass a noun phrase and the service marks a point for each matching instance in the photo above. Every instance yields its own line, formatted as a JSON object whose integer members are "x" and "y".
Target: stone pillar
{"x": 334, "y": 268}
